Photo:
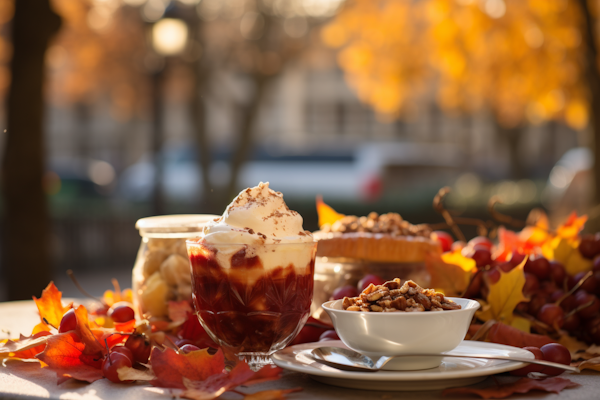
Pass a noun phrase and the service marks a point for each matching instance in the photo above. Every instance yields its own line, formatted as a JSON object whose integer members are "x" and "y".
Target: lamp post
{"x": 169, "y": 38}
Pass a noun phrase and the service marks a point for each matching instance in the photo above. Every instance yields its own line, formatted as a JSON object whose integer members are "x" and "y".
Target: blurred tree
{"x": 522, "y": 60}
{"x": 26, "y": 237}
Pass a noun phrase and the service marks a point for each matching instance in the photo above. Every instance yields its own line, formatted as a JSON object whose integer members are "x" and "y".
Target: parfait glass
{"x": 252, "y": 298}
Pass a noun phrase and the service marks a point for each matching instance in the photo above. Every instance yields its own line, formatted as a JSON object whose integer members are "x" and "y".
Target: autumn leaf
{"x": 575, "y": 346}
{"x": 592, "y": 363}
{"x": 524, "y": 385}
{"x": 275, "y": 394}
{"x": 111, "y": 297}
{"x": 504, "y": 296}
{"x": 178, "y": 311}
{"x": 265, "y": 374}
{"x": 133, "y": 374}
{"x": 327, "y": 215}
{"x": 50, "y": 305}
{"x": 17, "y": 348}
{"x": 64, "y": 355}
{"x": 572, "y": 226}
{"x": 217, "y": 384}
{"x": 505, "y": 334}
{"x": 171, "y": 368}
{"x": 450, "y": 273}
{"x": 192, "y": 329}
{"x": 566, "y": 252}
{"x": 91, "y": 342}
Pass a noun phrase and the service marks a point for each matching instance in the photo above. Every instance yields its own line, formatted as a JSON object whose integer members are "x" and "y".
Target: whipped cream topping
{"x": 257, "y": 215}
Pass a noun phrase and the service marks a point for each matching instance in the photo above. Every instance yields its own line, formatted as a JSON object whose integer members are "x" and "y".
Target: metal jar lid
{"x": 173, "y": 226}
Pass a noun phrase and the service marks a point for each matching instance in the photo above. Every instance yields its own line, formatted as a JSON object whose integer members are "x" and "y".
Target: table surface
{"x": 20, "y": 380}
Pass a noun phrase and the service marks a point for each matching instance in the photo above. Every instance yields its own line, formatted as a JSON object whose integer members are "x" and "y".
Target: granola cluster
{"x": 395, "y": 296}
{"x": 390, "y": 223}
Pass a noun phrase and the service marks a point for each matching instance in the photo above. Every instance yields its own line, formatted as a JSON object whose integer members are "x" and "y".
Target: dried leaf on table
{"x": 50, "y": 305}
{"x": 64, "y": 355}
{"x": 275, "y": 394}
{"x": 216, "y": 385}
{"x": 524, "y": 385}
{"x": 133, "y": 374}
{"x": 575, "y": 346}
{"x": 450, "y": 272}
{"x": 511, "y": 336}
{"x": 171, "y": 368}
{"x": 23, "y": 344}
{"x": 504, "y": 296}
{"x": 593, "y": 364}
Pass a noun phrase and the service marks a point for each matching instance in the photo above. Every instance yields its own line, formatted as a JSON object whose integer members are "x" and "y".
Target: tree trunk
{"x": 593, "y": 80}
{"x": 26, "y": 254}
{"x": 198, "y": 115}
{"x": 245, "y": 140}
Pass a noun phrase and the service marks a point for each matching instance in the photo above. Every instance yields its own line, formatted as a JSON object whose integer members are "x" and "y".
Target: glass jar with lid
{"x": 161, "y": 272}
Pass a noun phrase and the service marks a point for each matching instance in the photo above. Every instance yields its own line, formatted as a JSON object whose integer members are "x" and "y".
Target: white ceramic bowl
{"x": 378, "y": 334}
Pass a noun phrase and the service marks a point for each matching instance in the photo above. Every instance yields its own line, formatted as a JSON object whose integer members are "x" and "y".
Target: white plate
{"x": 451, "y": 373}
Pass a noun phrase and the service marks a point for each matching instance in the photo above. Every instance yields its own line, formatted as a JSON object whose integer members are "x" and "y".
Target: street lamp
{"x": 169, "y": 38}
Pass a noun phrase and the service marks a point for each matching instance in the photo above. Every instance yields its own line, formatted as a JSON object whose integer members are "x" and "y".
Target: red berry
{"x": 112, "y": 363}
{"x": 558, "y": 273}
{"x": 121, "y": 312}
{"x": 556, "y": 353}
{"x": 140, "y": 348}
{"x": 589, "y": 285}
{"x": 481, "y": 254}
{"x": 531, "y": 285}
{"x": 572, "y": 322}
{"x": 68, "y": 322}
{"x": 329, "y": 335}
{"x": 367, "y": 280}
{"x": 481, "y": 241}
{"x": 506, "y": 266}
{"x": 596, "y": 265}
{"x": 474, "y": 288}
{"x": 539, "y": 266}
{"x": 589, "y": 247}
{"x": 531, "y": 367}
{"x": 536, "y": 303}
{"x": 582, "y": 298}
{"x": 492, "y": 276}
{"x": 552, "y": 315}
{"x": 188, "y": 348}
{"x": 517, "y": 258}
{"x": 344, "y": 291}
{"x": 444, "y": 238}
{"x": 123, "y": 350}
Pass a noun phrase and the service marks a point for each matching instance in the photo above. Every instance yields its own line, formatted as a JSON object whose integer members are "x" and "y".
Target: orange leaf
{"x": 449, "y": 273}
{"x": 524, "y": 385}
{"x": 92, "y": 345}
{"x": 64, "y": 355}
{"x": 571, "y": 228}
{"x": 50, "y": 305}
{"x": 18, "y": 348}
{"x": 217, "y": 384}
{"x": 327, "y": 215}
{"x": 178, "y": 310}
{"x": 171, "y": 368}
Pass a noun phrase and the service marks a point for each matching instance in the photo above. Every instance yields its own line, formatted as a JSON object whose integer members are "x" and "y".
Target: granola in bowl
{"x": 393, "y": 296}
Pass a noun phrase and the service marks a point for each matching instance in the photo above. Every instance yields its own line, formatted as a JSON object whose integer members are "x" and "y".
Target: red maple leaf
{"x": 64, "y": 355}
{"x": 171, "y": 368}
{"x": 523, "y": 385}
{"x": 192, "y": 329}
{"x": 50, "y": 305}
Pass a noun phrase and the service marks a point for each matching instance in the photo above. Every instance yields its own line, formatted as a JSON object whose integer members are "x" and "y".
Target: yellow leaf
{"x": 327, "y": 215}
{"x": 576, "y": 263}
{"x": 504, "y": 296}
{"x": 521, "y": 324}
{"x": 559, "y": 249}
{"x": 448, "y": 277}
{"x": 455, "y": 257}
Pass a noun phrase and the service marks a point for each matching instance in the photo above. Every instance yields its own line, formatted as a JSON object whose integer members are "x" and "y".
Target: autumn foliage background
{"x": 513, "y": 84}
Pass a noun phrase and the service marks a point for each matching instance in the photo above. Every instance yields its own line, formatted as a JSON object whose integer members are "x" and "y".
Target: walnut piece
{"x": 394, "y": 296}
